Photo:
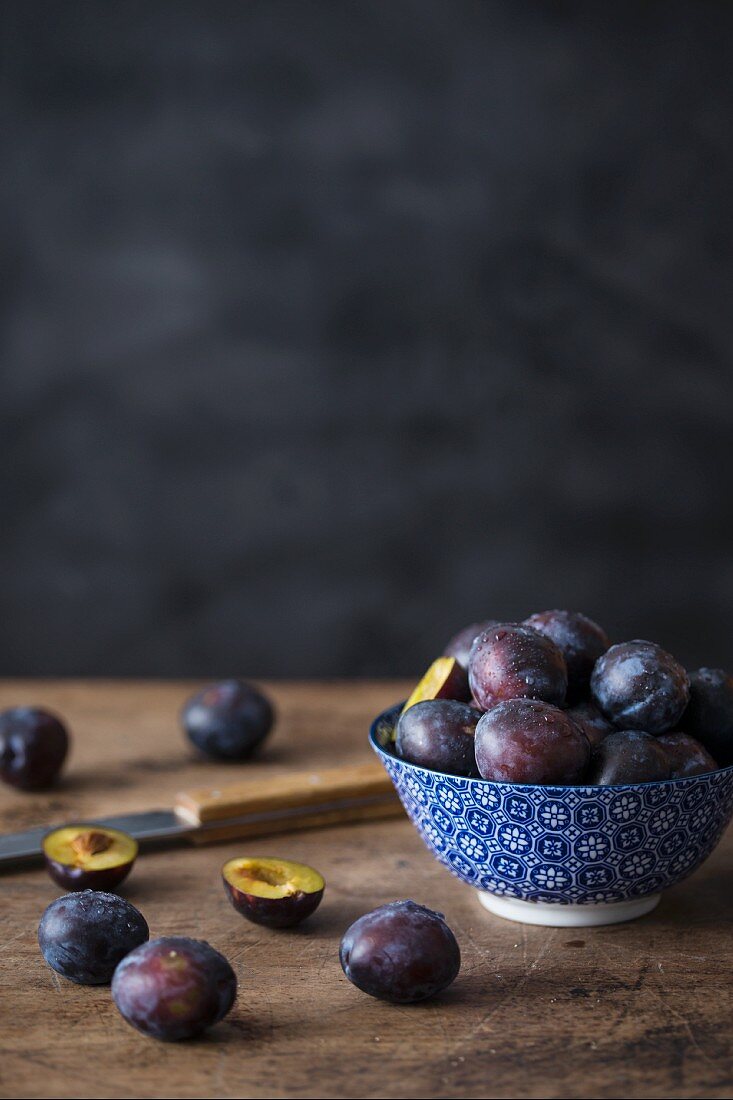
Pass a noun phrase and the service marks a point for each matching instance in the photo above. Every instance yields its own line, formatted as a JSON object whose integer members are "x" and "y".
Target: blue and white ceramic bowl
{"x": 562, "y": 856}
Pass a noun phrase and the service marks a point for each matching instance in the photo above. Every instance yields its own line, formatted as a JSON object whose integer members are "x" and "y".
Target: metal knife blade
{"x": 257, "y": 806}
{"x": 158, "y": 827}
{"x": 152, "y": 826}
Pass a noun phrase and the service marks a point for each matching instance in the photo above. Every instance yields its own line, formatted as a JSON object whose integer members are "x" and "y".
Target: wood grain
{"x": 637, "y": 1010}
{"x": 293, "y": 801}
{"x": 292, "y": 791}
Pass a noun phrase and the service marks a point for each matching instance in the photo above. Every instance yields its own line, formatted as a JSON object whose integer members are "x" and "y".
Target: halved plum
{"x": 89, "y": 857}
{"x": 277, "y": 893}
{"x": 445, "y": 679}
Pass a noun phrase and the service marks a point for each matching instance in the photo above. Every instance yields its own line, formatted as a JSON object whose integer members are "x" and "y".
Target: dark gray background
{"x": 328, "y": 327}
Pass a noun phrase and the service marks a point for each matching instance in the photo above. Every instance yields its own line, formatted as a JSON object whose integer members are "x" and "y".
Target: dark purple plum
{"x": 528, "y": 741}
{"x": 593, "y": 724}
{"x": 460, "y": 644}
{"x": 229, "y": 720}
{"x": 33, "y": 747}
{"x": 639, "y": 686}
{"x": 629, "y": 756}
{"x": 709, "y": 714}
{"x": 400, "y": 952}
{"x": 439, "y": 734}
{"x": 579, "y": 639}
{"x": 686, "y": 755}
{"x": 174, "y": 988}
{"x": 514, "y": 661}
{"x": 83, "y": 936}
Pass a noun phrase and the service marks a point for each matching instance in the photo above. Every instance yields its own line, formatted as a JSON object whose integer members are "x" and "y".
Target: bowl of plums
{"x": 567, "y": 779}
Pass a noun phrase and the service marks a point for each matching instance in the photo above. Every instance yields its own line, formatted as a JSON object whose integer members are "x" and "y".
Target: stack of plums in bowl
{"x": 545, "y": 765}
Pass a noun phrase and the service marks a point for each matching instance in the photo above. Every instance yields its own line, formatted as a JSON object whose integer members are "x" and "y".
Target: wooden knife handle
{"x": 280, "y": 803}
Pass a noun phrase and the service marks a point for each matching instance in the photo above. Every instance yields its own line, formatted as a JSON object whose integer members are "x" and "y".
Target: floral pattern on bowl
{"x": 562, "y": 845}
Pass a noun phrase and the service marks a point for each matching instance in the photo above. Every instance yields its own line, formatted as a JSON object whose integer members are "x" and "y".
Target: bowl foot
{"x": 567, "y": 916}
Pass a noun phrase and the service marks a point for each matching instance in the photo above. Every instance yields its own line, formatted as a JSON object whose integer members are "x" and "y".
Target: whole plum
{"x": 174, "y": 988}
{"x": 33, "y": 747}
{"x": 629, "y": 756}
{"x": 83, "y": 936}
{"x": 579, "y": 639}
{"x": 593, "y": 724}
{"x": 400, "y": 952}
{"x": 514, "y": 661}
{"x": 460, "y": 644}
{"x": 439, "y": 734}
{"x": 638, "y": 685}
{"x": 686, "y": 755}
{"x": 709, "y": 714}
{"x": 528, "y": 741}
{"x": 229, "y": 720}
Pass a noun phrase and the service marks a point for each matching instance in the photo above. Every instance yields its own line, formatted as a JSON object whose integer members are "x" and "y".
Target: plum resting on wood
{"x": 174, "y": 987}
{"x": 88, "y": 857}
{"x": 83, "y": 936}
{"x": 514, "y": 661}
{"x": 401, "y": 952}
{"x": 33, "y": 747}
{"x": 277, "y": 893}
{"x": 229, "y": 720}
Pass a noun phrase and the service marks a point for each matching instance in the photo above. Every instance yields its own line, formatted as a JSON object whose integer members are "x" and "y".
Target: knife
{"x": 256, "y": 807}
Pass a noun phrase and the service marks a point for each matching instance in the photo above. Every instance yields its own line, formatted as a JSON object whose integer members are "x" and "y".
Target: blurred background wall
{"x": 330, "y": 326}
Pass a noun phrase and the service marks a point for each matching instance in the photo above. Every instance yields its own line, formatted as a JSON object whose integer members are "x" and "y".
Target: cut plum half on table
{"x": 89, "y": 857}
{"x": 277, "y": 893}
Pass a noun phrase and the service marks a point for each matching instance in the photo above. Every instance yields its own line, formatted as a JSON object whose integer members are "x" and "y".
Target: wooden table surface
{"x": 637, "y": 1010}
